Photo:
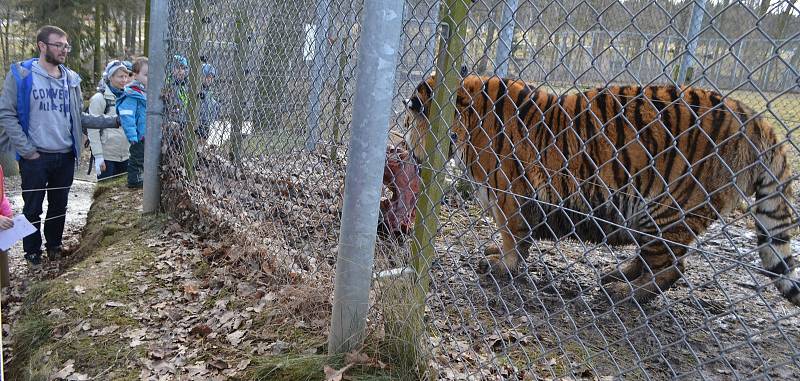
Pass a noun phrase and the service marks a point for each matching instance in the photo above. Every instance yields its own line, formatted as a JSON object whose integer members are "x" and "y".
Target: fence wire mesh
{"x": 655, "y": 221}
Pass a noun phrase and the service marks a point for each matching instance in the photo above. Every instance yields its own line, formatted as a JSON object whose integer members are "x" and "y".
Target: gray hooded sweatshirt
{"x": 56, "y": 117}
{"x": 50, "y": 129}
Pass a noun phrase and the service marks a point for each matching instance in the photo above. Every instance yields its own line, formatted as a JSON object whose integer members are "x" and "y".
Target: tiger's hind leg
{"x": 660, "y": 262}
{"x": 505, "y": 261}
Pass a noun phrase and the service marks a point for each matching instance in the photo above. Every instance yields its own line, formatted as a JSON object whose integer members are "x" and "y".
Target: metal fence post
{"x": 694, "y": 29}
{"x": 158, "y": 21}
{"x": 377, "y": 61}
{"x": 503, "y": 55}
{"x": 316, "y": 73}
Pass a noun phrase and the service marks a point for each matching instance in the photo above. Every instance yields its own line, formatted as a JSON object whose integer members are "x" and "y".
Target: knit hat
{"x": 209, "y": 70}
{"x": 113, "y": 66}
{"x": 180, "y": 60}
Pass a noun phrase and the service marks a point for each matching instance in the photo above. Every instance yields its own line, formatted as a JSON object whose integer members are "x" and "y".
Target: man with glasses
{"x": 41, "y": 119}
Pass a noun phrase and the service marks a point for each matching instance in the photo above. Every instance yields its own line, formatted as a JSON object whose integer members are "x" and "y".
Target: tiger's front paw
{"x": 628, "y": 270}
{"x": 623, "y": 291}
{"x": 492, "y": 250}
{"x": 494, "y": 264}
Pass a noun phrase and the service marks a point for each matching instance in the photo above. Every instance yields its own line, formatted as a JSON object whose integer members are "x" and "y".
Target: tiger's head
{"x": 419, "y": 119}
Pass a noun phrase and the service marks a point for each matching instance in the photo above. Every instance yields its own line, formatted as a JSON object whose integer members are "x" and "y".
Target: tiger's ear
{"x": 464, "y": 71}
{"x": 414, "y": 104}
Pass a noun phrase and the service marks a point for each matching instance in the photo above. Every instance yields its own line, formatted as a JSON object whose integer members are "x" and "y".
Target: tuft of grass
{"x": 31, "y": 334}
{"x": 402, "y": 345}
{"x": 310, "y": 368}
{"x": 201, "y": 269}
{"x": 289, "y": 368}
{"x": 43, "y": 342}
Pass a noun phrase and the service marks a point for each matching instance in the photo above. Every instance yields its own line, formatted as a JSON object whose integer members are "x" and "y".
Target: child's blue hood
{"x": 136, "y": 90}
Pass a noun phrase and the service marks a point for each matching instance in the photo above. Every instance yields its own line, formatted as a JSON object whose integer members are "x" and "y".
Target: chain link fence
{"x": 654, "y": 220}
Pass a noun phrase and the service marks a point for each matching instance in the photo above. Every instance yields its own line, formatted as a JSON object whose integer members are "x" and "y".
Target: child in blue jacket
{"x": 132, "y": 111}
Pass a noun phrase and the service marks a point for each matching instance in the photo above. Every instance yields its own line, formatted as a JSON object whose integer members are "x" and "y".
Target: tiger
{"x": 650, "y": 165}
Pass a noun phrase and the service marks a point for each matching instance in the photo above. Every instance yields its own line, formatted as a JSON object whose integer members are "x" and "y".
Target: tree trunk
{"x": 146, "y": 50}
{"x": 77, "y": 48}
{"x": 483, "y": 63}
{"x": 6, "y": 47}
{"x": 139, "y": 31}
{"x": 105, "y": 31}
{"x": 780, "y": 34}
{"x": 97, "y": 46}
{"x": 763, "y": 8}
{"x": 132, "y": 18}
{"x": 118, "y": 33}
{"x": 128, "y": 33}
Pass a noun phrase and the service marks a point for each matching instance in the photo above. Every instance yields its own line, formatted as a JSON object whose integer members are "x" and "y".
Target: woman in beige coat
{"x": 109, "y": 147}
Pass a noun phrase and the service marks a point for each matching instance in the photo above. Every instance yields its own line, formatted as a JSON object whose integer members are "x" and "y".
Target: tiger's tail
{"x": 773, "y": 212}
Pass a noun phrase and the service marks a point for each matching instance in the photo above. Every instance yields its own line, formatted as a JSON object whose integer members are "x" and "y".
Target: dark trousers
{"x": 50, "y": 170}
{"x": 136, "y": 164}
{"x": 113, "y": 168}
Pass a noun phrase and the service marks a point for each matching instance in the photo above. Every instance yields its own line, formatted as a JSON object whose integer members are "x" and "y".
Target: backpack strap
{"x": 24, "y": 88}
{"x": 109, "y": 104}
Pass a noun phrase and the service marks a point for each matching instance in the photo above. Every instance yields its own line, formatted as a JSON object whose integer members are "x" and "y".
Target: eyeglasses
{"x": 60, "y": 46}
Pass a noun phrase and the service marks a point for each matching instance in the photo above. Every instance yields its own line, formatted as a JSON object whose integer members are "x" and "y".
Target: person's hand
{"x": 99, "y": 164}
{"x": 35, "y": 155}
{"x": 166, "y": 93}
{"x": 6, "y": 223}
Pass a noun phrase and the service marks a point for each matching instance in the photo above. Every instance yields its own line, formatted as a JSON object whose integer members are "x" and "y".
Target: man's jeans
{"x": 53, "y": 171}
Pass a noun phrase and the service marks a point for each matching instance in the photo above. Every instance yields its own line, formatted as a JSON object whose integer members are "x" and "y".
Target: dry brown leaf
{"x": 243, "y": 364}
{"x": 107, "y": 330}
{"x": 201, "y": 330}
{"x": 68, "y": 369}
{"x": 358, "y": 358}
{"x": 333, "y": 374}
{"x": 157, "y": 353}
{"x": 191, "y": 289}
{"x": 218, "y": 364}
{"x": 236, "y": 337}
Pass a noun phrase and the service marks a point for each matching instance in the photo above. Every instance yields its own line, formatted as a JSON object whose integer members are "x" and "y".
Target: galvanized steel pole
{"x": 692, "y": 36}
{"x": 377, "y": 61}
{"x": 157, "y": 62}
{"x": 507, "y": 24}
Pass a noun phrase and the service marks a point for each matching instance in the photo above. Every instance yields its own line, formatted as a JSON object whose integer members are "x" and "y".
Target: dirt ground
{"x": 723, "y": 321}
